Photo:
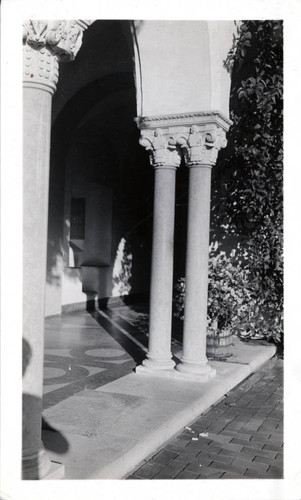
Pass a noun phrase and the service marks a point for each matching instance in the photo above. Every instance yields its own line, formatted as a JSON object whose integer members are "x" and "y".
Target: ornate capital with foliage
{"x": 202, "y": 144}
{"x": 162, "y": 148}
{"x": 45, "y": 44}
{"x": 195, "y": 136}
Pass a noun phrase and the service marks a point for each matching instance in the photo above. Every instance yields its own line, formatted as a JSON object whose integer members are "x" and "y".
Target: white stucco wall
{"x": 179, "y": 66}
{"x": 72, "y": 287}
{"x": 220, "y": 41}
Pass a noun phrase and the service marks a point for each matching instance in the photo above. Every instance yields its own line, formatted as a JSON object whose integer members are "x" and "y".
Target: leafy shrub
{"x": 229, "y": 298}
{"x": 247, "y": 194}
{"x": 233, "y": 303}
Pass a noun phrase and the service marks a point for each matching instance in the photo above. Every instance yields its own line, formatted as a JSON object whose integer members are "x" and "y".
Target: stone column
{"x": 45, "y": 44}
{"x": 165, "y": 159}
{"x": 197, "y": 137}
{"x": 200, "y": 147}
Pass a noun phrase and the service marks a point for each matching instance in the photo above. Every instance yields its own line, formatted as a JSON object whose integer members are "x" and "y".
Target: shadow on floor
{"x": 53, "y": 439}
{"x": 128, "y": 334}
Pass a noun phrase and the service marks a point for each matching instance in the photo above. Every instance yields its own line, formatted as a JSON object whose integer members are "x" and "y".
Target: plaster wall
{"x": 179, "y": 66}
{"x": 131, "y": 225}
{"x": 115, "y": 182}
{"x": 53, "y": 294}
{"x": 220, "y": 41}
{"x": 94, "y": 252}
{"x": 55, "y": 264}
{"x": 72, "y": 292}
{"x": 119, "y": 219}
{"x": 98, "y": 223}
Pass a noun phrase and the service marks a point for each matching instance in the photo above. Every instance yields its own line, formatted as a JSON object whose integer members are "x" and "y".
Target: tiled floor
{"x": 87, "y": 350}
{"x": 240, "y": 437}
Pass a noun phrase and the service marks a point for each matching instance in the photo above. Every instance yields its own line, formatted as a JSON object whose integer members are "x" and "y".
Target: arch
{"x": 63, "y": 130}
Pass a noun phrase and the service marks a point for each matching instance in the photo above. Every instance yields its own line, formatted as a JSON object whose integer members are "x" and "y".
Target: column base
{"x": 36, "y": 465}
{"x": 39, "y": 466}
{"x": 153, "y": 367}
{"x": 197, "y": 371}
{"x": 180, "y": 372}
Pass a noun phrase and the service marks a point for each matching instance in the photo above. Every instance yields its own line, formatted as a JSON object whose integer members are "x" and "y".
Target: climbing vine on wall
{"x": 247, "y": 197}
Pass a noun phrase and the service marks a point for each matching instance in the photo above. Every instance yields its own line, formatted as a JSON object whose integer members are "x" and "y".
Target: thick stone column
{"x": 165, "y": 160}
{"x": 201, "y": 147}
{"x": 45, "y": 44}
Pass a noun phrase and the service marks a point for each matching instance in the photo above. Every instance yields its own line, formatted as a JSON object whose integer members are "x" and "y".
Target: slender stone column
{"x": 165, "y": 159}
{"x": 196, "y": 282}
{"x": 197, "y": 136}
{"x": 45, "y": 44}
{"x": 201, "y": 149}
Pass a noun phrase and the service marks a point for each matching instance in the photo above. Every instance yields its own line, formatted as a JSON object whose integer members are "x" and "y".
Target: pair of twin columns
{"x": 197, "y": 137}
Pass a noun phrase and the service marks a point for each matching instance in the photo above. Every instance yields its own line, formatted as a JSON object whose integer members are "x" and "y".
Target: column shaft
{"x": 37, "y": 119}
{"x": 159, "y": 354}
{"x": 45, "y": 44}
{"x": 194, "y": 358}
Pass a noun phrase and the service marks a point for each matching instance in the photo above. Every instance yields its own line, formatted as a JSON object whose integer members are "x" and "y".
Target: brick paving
{"x": 239, "y": 437}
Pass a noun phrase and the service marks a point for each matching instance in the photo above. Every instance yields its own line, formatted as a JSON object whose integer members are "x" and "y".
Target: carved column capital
{"x": 202, "y": 143}
{"x": 45, "y": 44}
{"x": 196, "y": 136}
{"x": 162, "y": 148}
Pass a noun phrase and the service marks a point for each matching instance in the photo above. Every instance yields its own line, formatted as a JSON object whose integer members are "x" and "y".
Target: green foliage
{"x": 233, "y": 303}
{"x": 248, "y": 182}
{"x": 229, "y": 296}
{"x": 179, "y": 298}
